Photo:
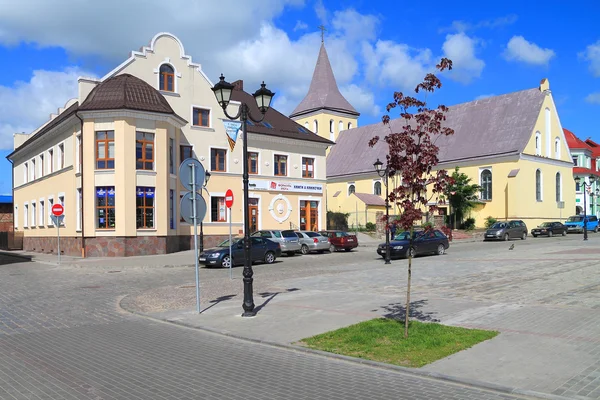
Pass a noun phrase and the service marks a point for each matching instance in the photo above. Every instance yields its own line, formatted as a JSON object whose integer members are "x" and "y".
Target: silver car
{"x": 288, "y": 240}
{"x": 312, "y": 241}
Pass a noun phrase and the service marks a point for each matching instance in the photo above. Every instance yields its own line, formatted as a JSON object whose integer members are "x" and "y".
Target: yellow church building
{"x": 512, "y": 145}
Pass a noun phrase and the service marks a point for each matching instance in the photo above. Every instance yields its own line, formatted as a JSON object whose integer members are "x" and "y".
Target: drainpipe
{"x": 12, "y": 179}
{"x": 81, "y": 172}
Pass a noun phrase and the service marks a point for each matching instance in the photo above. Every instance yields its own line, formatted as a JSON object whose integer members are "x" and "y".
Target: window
{"x": 538, "y": 144}
{"x": 538, "y": 185}
{"x": 377, "y": 188}
{"x": 26, "y": 173}
{"x": 218, "y": 211}
{"x": 78, "y": 152}
{"x": 61, "y": 201}
{"x": 331, "y": 126}
{"x": 144, "y": 151}
{"x": 105, "y": 207}
{"x": 308, "y": 167}
{"x": 349, "y": 125}
{"x": 577, "y": 187}
{"x": 340, "y": 126}
{"x": 33, "y": 216}
{"x": 105, "y": 150}
{"x": 166, "y": 78}
{"x": 351, "y": 189}
{"x": 217, "y": 159}
{"x": 306, "y": 125}
{"x": 171, "y": 209}
{"x": 315, "y": 126}
{"x": 51, "y": 161}
{"x": 144, "y": 211}
{"x": 280, "y": 165}
{"x": 42, "y": 212}
{"x": 33, "y": 171}
{"x": 61, "y": 156}
{"x": 558, "y": 187}
{"x": 41, "y": 165}
{"x": 185, "y": 151}
{"x": 575, "y": 161}
{"x": 78, "y": 194}
{"x": 252, "y": 163}
{"x": 25, "y": 215}
{"x": 201, "y": 117}
{"x": 181, "y": 219}
{"x": 548, "y": 131}
{"x": 171, "y": 156}
{"x": 486, "y": 184}
{"x": 557, "y": 148}
{"x": 50, "y": 204}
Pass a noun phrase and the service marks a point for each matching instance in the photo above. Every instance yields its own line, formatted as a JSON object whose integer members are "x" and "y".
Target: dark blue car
{"x": 261, "y": 249}
{"x": 424, "y": 242}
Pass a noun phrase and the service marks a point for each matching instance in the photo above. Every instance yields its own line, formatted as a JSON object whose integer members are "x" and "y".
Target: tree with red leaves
{"x": 413, "y": 155}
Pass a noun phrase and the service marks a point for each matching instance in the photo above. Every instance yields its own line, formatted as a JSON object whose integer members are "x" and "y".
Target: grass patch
{"x": 383, "y": 340}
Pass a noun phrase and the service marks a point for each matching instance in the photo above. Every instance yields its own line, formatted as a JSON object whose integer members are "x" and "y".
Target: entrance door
{"x": 309, "y": 215}
{"x": 253, "y": 213}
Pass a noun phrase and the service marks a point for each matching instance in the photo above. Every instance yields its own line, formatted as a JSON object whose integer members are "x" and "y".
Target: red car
{"x": 340, "y": 240}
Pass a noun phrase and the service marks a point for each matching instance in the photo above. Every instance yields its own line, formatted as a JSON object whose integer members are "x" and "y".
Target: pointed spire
{"x": 323, "y": 92}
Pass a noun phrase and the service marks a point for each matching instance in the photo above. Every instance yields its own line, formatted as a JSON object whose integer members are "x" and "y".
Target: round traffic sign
{"x": 58, "y": 210}
{"x": 187, "y": 209}
{"x": 228, "y": 198}
{"x": 187, "y": 177}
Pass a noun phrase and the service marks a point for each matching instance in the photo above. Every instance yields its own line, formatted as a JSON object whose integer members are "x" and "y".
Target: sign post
{"x": 228, "y": 204}
{"x": 57, "y": 214}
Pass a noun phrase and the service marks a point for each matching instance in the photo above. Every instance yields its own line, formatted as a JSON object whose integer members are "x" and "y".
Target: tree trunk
{"x": 408, "y": 284}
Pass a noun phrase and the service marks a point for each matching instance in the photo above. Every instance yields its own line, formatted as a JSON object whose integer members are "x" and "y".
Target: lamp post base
{"x": 246, "y": 314}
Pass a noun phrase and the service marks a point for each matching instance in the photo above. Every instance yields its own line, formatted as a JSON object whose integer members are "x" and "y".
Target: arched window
{"x": 558, "y": 187}
{"x": 340, "y": 126}
{"x": 538, "y": 185}
{"x": 377, "y": 188}
{"x": 316, "y": 126}
{"x": 331, "y": 127}
{"x": 486, "y": 184}
{"x": 557, "y": 148}
{"x": 538, "y": 144}
{"x": 306, "y": 125}
{"x": 351, "y": 189}
{"x": 331, "y": 130}
{"x": 548, "y": 131}
{"x": 167, "y": 78}
{"x": 349, "y": 125}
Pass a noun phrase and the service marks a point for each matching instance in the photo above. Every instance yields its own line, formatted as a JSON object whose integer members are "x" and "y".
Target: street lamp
{"x": 206, "y": 178}
{"x": 383, "y": 173}
{"x": 585, "y": 186}
{"x": 263, "y": 97}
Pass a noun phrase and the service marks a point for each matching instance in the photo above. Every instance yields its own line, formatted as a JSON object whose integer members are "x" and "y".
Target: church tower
{"x": 324, "y": 110}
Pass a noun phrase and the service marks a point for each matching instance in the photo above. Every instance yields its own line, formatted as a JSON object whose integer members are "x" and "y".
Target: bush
{"x": 469, "y": 224}
{"x": 370, "y": 226}
{"x": 427, "y": 225}
{"x": 489, "y": 221}
{"x": 337, "y": 220}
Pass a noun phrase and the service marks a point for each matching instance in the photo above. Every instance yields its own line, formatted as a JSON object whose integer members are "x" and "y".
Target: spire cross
{"x": 322, "y": 28}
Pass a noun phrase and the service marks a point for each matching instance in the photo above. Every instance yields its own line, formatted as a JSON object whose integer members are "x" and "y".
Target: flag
{"x": 232, "y": 129}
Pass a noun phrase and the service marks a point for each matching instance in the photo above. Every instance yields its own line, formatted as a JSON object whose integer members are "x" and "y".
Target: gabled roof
{"x": 323, "y": 92}
{"x": 594, "y": 146}
{"x": 275, "y": 123}
{"x": 370, "y": 199}
{"x": 574, "y": 142}
{"x": 494, "y": 126}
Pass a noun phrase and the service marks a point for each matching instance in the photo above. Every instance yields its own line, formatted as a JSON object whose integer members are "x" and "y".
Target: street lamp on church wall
{"x": 384, "y": 173}
{"x": 263, "y": 97}
{"x": 585, "y": 186}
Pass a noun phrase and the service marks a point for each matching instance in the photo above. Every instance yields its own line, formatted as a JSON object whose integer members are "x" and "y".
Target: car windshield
{"x": 406, "y": 235}
{"x": 575, "y": 219}
{"x": 312, "y": 234}
{"x": 499, "y": 225}
{"x": 226, "y": 242}
{"x": 289, "y": 234}
{"x": 546, "y": 224}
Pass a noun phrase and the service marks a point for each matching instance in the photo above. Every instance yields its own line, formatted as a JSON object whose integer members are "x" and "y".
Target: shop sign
{"x": 280, "y": 186}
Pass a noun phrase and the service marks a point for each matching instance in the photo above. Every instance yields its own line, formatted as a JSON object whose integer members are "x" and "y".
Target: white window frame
{"x": 538, "y": 144}
{"x": 557, "y": 152}
{"x": 50, "y": 204}
{"x": 61, "y": 155}
{"x": 259, "y": 170}
{"x": 560, "y": 193}
{"x": 381, "y": 186}
{"x": 78, "y": 153}
{"x": 26, "y": 215}
{"x": 481, "y": 170}
{"x": 176, "y": 75}
{"x": 302, "y": 164}
{"x": 541, "y": 185}
{"x": 227, "y": 154}
{"x": 42, "y": 209}
{"x": 349, "y": 125}
{"x": 315, "y": 126}
{"x": 210, "y": 221}
{"x": 63, "y": 203}
{"x": 288, "y": 166}
{"x": 33, "y": 214}
{"x": 340, "y": 126}
{"x": 42, "y": 161}
{"x": 51, "y": 160}
{"x": 25, "y": 172}
{"x": 348, "y": 188}
{"x": 548, "y": 118}
{"x": 210, "y": 117}
{"x": 33, "y": 171}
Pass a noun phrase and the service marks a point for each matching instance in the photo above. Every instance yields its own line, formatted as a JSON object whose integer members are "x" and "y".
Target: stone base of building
{"x": 118, "y": 246}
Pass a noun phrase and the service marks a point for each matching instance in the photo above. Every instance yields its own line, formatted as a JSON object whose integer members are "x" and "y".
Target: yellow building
{"x": 512, "y": 145}
{"x": 111, "y": 157}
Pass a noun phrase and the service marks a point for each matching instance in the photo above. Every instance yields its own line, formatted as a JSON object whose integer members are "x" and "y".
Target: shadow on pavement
{"x": 270, "y": 296}
{"x": 397, "y": 311}
{"x": 11, "y": 258}
{"x": 217, "y": 301}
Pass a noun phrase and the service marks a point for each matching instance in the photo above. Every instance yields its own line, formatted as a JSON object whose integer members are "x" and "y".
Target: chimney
{"x": 545, "y": 86}
{"x": 85, "y": 86}
{"x": 238, "y": 85}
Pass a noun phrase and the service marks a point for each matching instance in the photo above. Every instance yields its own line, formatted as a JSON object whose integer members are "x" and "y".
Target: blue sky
{"x": 375, "y": 47}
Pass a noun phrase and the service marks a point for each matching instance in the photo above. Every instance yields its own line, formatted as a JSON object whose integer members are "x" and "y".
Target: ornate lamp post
{"x": 263, "y": 97}
{"x": 585, "y": 186}
{"x": 206, "y": 178}
{"x": 384, "y": 173}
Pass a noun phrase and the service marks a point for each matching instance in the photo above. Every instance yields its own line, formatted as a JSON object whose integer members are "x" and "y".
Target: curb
{"x": 409, "y": 371}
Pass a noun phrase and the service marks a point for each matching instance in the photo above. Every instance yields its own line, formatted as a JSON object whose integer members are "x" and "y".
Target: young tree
{"x": 462, "y": 194}
{"x": 413, "y": 155}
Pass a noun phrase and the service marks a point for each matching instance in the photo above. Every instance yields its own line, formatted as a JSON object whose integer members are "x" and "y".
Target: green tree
{"x": 462, "y": 194}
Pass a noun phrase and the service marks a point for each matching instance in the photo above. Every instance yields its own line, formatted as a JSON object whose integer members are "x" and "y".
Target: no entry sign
{"x": 58, "y": 210}
{"x": 229, "y": 198}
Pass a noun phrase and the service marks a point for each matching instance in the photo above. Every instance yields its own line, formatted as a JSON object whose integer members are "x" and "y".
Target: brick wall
{"x": 6, "y": 218}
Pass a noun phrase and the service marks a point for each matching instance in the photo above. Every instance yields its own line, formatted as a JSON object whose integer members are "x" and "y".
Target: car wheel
{"x": 550, "y": 234}
{"x": 347, "y": 249}
{"x": 440, "y": 250}
{"x": 331, "y": 248}
{"x": 226, "y": 261}
{"x": 304, "y": 249}
{"x": 412, "y": 252}
{"x": 564, "y": 233}
{"x": 524, "y": 236}
{"x": 290, "y": 253}
{"x": 596, "y": 229}
{"x": 269, "y": 257}
{"x": 506, "y": 237}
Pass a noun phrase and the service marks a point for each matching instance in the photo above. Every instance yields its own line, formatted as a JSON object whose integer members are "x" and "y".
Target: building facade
{"x": 111, "y": 157}
{"x": 586, "y": 163}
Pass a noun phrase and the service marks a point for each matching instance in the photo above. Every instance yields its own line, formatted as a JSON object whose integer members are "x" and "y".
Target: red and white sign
{"x": 58, "y": 210}
{"x": 228, "y": 198}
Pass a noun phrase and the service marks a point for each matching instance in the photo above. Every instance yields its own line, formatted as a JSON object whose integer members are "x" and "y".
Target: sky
{"x": 375, "y": 48}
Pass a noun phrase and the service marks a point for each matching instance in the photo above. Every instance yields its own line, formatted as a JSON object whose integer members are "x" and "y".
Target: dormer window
{"x": 167, "y": 78}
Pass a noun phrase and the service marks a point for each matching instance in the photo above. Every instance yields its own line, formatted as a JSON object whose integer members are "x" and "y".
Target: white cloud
{"x": 460, "y": 48}
{"x": 592, "y": 54}
{"x": 300, "y": 26}
{"x": 321, "y": 12}
{"x": 463, "y": 26}
{"x": 354, "y": 26}
{"x": 484, "y": 96}
{"x": 519, "y": 49}
{"x": 593, "y": 98}
{"x": 362, "y": 99}
{"x": 27, "y": 105}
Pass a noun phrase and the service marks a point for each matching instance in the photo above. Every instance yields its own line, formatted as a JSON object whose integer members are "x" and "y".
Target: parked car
{"x": 261, "y": 249}
{"x": 288, "y": 240}
{"x": 424, "y": 242}
{"x": 340, "y": 240}
{"x": 549, "y": 229}
{"x": 575, "y": 223}
{"x": 312, "y": 241}
{"x": 506, "y": 230}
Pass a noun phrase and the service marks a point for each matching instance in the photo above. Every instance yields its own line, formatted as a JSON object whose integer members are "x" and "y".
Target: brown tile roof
{"x": 323, "y": 92}
{"x": 126, "y": 91}
{"x": 275, "y": 123}
{"x": 493, "y": 126}
{"x": 370, "y": 199}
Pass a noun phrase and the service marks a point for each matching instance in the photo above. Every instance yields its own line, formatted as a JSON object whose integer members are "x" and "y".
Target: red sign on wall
{"x": 58, "y": 210}
{"x": 228, "y": 198}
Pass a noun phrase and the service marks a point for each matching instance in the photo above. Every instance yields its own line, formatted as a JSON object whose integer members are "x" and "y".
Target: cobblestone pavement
{"x": 62, "y": 336}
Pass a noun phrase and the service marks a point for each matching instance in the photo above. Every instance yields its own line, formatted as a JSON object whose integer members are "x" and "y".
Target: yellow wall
{"x": 323, "y": 120}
